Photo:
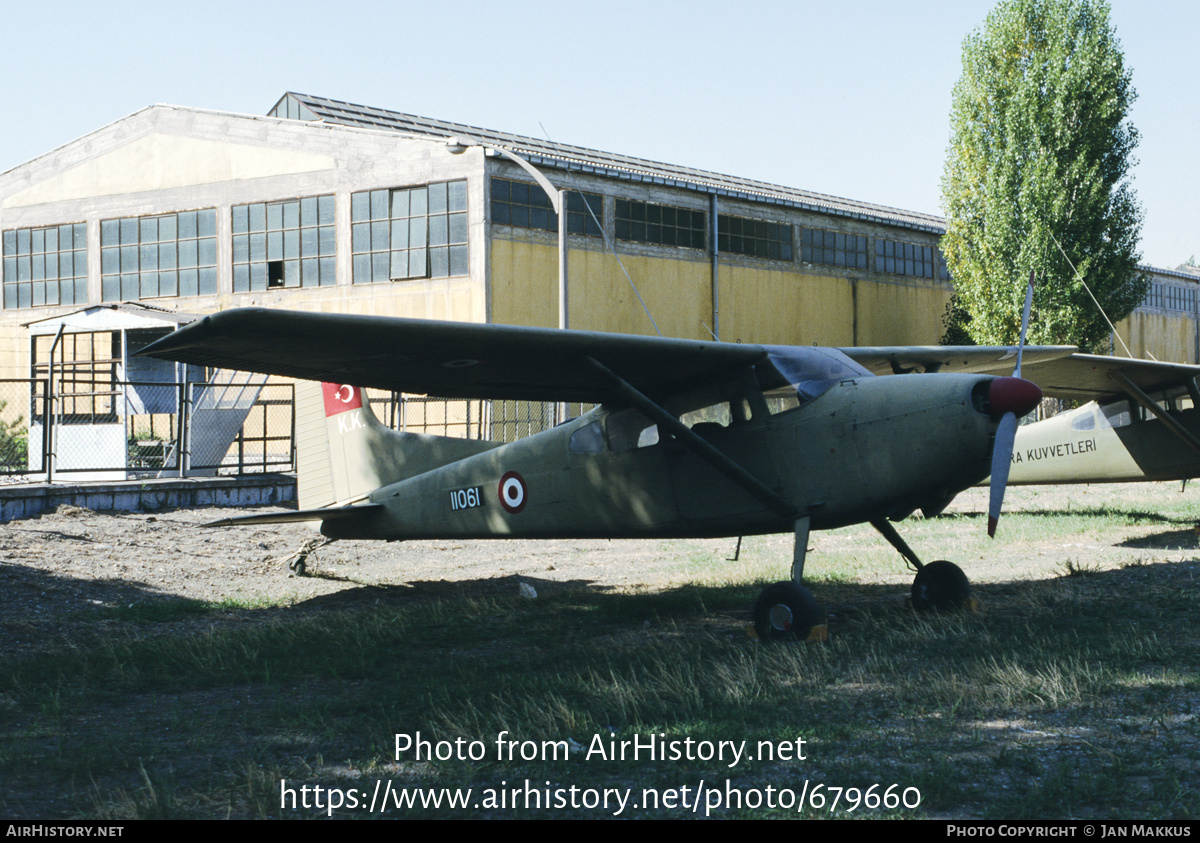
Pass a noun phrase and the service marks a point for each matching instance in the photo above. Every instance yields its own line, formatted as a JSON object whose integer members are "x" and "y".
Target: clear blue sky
{"x": 846, "y": 98}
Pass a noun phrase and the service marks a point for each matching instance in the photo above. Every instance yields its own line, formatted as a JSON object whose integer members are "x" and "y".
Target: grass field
{"x": 1073, "y": 691}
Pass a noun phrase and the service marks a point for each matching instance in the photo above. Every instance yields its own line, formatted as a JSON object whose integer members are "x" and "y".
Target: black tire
{"x": 785, "y": 611}
{"x": 940, "y": 586}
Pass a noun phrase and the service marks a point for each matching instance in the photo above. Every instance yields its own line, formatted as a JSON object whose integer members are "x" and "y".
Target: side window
{"x": 718, "y": 414}
{"x": 781, "y": 400}
{"x": 1179, "y": 399}
{"x": 1148, "y": 415}
{"x": 1116, "y": 414}
{"x": 629, "y": 429}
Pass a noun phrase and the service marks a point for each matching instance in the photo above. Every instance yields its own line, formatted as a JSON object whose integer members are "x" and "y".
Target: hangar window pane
{"x": 45, "y": 266}
{"x": 141, "y": 257}
{"x": 663, "y": 225}
{"x": 527, "y": 206}
{"x": 410, "y": 232}
{"x": 899, "y": 258}
{"x": 756, "y": 238}
{"x": 1171, "y": 297}
{"x": 833, "y": 248}
{"x": 271, "y": 238}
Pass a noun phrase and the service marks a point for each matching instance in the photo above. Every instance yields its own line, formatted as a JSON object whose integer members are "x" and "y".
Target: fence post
{"x": 48, "y": 429}
{"x": 185, "y": 426}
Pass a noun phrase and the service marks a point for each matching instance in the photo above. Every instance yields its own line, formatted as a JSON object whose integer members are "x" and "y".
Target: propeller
{"x": 1009, "y": 398}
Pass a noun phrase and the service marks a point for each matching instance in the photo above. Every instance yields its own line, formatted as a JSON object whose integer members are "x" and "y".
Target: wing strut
{"x": 1142, "y": 398}
{"x": 692, "y": 440}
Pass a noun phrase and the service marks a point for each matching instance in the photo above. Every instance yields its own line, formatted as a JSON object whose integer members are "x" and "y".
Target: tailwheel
{"x": 785, "y": 610}
{"x": 298, "y": 562}
{"x": 942, "y": 586}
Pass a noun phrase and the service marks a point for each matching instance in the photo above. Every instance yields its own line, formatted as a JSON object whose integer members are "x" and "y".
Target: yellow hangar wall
{"x": 1167, "y": 336}
{"x": 755, "y": 304}
{"x": 524, "y": 290}
{"x": 760, "y": 305}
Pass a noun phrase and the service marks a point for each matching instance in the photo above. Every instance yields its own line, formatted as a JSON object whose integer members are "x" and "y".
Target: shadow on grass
{"x": 965, "y": 704}
{"x": 1097, "y": 512}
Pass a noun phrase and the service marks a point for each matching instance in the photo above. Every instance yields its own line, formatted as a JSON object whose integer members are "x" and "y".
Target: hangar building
{"x": 328, "y": 206}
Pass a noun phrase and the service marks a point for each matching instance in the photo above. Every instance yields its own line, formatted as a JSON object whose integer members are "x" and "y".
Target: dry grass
{"x": 1072, "y": 693}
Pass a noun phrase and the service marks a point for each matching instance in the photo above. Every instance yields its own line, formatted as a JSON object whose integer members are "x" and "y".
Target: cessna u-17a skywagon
{"x": 690, "y": 438}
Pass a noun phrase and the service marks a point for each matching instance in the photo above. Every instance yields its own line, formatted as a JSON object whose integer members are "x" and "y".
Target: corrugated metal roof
{"x": 582, "y": 159}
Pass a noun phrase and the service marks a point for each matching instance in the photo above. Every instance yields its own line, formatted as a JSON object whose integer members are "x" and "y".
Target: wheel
{"x": 299, "y": 566}
{"x": 940, "y": 585}
{"x": 785, "y": 610}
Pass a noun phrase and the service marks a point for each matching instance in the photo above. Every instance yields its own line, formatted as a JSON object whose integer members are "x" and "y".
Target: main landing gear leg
{"x": 938, "y": 585}
{"x": 788, "y": 609}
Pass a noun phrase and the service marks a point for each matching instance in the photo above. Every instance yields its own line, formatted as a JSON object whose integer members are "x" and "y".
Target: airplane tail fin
{"x": 345, "y": 453}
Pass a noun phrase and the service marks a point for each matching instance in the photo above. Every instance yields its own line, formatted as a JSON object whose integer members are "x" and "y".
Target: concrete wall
{"x": 28, "y": 501}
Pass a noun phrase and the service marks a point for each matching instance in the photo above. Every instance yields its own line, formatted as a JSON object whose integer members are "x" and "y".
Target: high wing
{"x": 974, "y": 359}
{"x": 472, "y": 360}
{"x": 1097, "y": 377}
{"x": 1060, "y": 371}
{"x": 451, "y": 359}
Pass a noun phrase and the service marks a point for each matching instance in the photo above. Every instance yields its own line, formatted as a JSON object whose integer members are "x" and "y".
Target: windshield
{"x": 811, "y": 370}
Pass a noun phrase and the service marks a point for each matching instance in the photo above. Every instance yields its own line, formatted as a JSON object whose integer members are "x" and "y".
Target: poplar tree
{"x": 1037, "y": 175}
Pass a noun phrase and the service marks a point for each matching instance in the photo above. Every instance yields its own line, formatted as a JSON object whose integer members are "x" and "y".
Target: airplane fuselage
{"x": 868, "y": 448}
{"x": 1089, "y": 445}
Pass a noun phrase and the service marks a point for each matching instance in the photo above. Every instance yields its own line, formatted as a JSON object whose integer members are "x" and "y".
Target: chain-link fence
{"x": 17, "y": 439}
{"x": 127, "y": 431}
{"x": 462, "y": 418}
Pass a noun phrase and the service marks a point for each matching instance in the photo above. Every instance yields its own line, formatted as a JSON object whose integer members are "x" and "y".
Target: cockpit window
{"x": 1085, "y": 418}
{"x": 588, "y": 439}
{"x": 629, "y": 429}
{"x": 812, "y": 370}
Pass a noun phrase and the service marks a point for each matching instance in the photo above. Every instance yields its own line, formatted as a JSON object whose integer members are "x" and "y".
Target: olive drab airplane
{"x": 689, "y": 439}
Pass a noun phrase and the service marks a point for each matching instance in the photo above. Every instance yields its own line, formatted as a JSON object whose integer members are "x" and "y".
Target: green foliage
{"x": 1039, "y": 157}
{"x": 956, "y": 323}
{"x": 14, "y": 442}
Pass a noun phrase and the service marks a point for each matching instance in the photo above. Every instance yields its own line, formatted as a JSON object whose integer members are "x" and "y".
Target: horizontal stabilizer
{"x": 337, "y": 513}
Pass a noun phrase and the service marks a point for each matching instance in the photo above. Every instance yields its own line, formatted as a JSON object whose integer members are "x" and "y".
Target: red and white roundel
{"x": 512, "y": 492}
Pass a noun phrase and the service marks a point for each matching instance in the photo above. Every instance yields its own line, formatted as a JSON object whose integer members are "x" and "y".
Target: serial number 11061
{"x": 466, "y": 498}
